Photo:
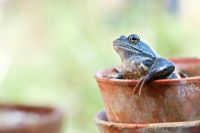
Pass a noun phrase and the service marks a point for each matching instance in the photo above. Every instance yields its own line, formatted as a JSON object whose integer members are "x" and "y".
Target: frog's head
{"x": 133, "y": 46}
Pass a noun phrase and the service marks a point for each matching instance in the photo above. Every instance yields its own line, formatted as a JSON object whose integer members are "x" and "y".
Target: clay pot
{"x": 190, "y": 66}
{"x": 172, "y": 127}
{"x": 29, "y": 119}
{"x": 167, "y": 100}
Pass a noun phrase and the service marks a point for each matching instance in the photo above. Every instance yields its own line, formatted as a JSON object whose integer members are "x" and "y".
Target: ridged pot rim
{"x": 52, "y": 115}
{"x": 100, "y": 75}
{"x": 99, "y": 120}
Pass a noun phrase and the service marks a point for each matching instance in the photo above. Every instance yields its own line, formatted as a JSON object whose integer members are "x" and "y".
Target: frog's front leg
{"x": 161, "y": 68}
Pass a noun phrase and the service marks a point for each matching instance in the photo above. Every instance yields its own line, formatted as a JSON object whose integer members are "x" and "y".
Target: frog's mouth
{"x": 119, "y": 45}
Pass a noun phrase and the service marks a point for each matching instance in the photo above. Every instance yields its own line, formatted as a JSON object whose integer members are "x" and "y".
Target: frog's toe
{"x": 173, "y": 76}
{"x": 138, "y": 87}
{"x": 182, "y": 74}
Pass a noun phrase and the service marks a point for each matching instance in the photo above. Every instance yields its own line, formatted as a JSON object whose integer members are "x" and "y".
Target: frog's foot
{"x": 182, "y": 74}
{"x": 177, "y": 75}
{"x": 139, "y": 86}
{"x": 159, "y": 70}
{"x": 136, "y": 87}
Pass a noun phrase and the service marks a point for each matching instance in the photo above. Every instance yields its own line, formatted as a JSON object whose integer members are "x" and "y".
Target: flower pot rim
{"x": 100, "y": 119}
{"x": 101, "y": 78}
{"x": 52, "y": 115}
{"x": 185, "y": 59}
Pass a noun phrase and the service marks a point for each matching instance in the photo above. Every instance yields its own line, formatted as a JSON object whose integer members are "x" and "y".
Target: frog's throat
{"x": 136, "y": 49}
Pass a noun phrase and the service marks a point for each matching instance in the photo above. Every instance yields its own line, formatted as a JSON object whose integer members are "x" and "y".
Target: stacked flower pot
{"x": 165, "y": 106}
{"x": 30, "y": 119}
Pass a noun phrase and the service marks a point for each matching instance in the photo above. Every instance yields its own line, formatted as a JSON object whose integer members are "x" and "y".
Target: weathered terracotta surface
{"x": 50, "y": 122}
{"x": 191, "y": 66}
{"x": 173, "y": 127}
{"x": 164, "y": 100}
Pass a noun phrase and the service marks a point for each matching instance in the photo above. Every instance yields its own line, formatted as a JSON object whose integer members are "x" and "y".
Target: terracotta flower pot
{"x": 172, "y": 127}
{"x": 29, "y": 119}
{"x": 167, "y": 100}
{"x": 191, "y": 66}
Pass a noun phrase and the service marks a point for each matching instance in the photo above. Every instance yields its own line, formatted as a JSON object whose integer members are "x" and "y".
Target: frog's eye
{"x": 134, "y": 38}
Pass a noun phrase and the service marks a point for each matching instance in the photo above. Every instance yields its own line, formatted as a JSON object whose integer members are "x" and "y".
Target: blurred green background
{"x": 50, "y": 49}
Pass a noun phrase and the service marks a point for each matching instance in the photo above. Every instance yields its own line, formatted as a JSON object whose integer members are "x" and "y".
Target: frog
{"x": 141, "y": 62}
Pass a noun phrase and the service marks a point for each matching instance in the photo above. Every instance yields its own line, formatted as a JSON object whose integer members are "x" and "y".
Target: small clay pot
{"x": 172, "y": 127}
{"x": 166, "y": 100}
{"x": 29, "y": 119}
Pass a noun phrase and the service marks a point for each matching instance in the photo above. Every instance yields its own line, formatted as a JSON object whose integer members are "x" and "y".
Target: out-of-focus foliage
{"x": 50, "y": 50}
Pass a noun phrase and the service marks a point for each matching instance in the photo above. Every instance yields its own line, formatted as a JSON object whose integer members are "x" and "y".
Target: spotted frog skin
{"x": 141, "y": 62}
